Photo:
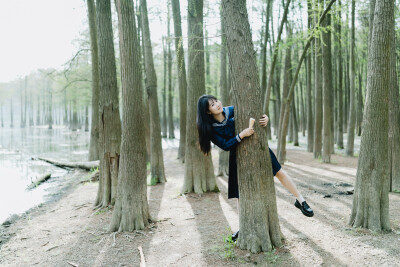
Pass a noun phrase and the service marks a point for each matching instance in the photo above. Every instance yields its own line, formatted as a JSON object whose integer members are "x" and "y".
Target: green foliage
{"x": 229, "y": 247}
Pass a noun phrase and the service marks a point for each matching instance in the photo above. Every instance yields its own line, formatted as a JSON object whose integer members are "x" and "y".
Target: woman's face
{"x": 214, "y": 107}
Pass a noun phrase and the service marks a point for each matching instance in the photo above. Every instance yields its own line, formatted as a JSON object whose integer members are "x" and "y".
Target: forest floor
{"x": 189, "y": 230}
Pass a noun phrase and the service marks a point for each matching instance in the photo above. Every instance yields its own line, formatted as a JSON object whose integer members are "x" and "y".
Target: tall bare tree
{"x": 171, "y": 129}
{"x": 131, "y": 210}
{"x": 94, "y": 130}
{"x": 259, "y": 224}
{"x": 156, "y": 156}
{"x": 338, "y": 29}
{"x": 371, "y": 193}
{"x": 199, "y": 170}
{"x": 180, "y": 59}
{"x": 352, "y": 114}
{"x": 109, "y": 118}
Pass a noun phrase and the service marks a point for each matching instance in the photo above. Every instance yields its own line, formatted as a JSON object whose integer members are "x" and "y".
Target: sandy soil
{"x": 190, "y": 229}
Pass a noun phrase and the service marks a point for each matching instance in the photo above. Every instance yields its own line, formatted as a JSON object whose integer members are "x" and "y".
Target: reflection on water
{"x": 18, "y": 148}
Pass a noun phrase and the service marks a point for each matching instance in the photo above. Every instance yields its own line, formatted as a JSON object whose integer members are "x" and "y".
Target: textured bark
{"x": 259, "y": 223}
{"x": 295, "y": 125}
{"x": 371, "y": 194}
{"x": 109, "y": 119}
{"x": 223, "y": 166}
{"x": 338, "y": 28}
{"x": 156, "y": 157}
{"x": 352, "y": 114}
{"x": 318, "y": 98}
{"x": 94, "y": 129}
{"x": 394, "y": 124}
{"x": 199, "y": 171}
{"x": 327, "y": 90}
{"x": 131, "y": 210}
{"x": 264, "y": 49}
{"x": 171, "y": 133}
{"x": 180, "y": 59}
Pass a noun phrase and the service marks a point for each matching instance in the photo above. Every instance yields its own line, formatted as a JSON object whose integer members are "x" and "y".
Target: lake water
{"x": 18, "y": 148}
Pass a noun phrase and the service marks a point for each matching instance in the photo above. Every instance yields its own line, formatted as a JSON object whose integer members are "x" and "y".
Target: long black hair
{"x": 204, "y": 121}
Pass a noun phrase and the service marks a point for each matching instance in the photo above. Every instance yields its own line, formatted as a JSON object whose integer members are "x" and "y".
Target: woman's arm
{"x": 228, "y": 144}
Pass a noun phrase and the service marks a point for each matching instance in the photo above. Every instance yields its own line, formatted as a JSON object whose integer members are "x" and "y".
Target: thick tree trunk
{"x": 338, "y": 27}
{"x": 318, "y": 96}
{"x": 180, "y": 59}
{"x": 171, "y": 129}
{"x": 156, "y": 157}
{"x": 371, "y": 194}
{"x": 352, "y": 114}
{"x": 94, "y": 129}
{"x": 109, "y": 118}
{"x": 131, "y": 210}
{"x": 199, "y": 171}
{"x": 223, "y": 166}
{"x": 394, "y": 124}
{"x": 327, "y": 90}
{"x": 259, "y": 224}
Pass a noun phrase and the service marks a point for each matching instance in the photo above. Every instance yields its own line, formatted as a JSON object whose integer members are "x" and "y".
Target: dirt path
{"x": 190, "y": 229}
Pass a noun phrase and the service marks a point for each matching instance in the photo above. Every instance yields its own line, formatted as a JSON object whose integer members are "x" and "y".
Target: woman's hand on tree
{"x": 264, "y": 120}
{"x": 246, "y": 133}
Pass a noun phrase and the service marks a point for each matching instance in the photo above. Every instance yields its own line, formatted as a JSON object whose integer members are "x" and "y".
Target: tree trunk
{"x": 264, "y": 50}
{"x": 259, "y": 223}
{"x": 50, "y": 107}
{"x": 199, "y": 171}
{"x": 327, "y": 89}
{"x": 287, "y": 78}
{"x": 352, "y": 114}
{"x": 171, "y": 129}
{"x": 394, "y": 124}
{"x": 156, "y": 157}
{"x": 303, "y": 117}
{"x": 109, "y": 118}
{"x": 180, "y": 59}
{"x": 164, "y": 91}
{"x": 371, "y": 194}
{"x": 94, "y": 129}
{"x": 131, "y": 210}
{"x": 295, "y": 125}
{"x": 223, "y": 166}
{"x": 359, "y": 105}
{"x": 86, "y": 118}
{"x": 318, "y": 96}
{"x": 340, "y": 79}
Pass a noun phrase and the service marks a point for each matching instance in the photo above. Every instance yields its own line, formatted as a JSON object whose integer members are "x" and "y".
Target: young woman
{"x": 217, "y": 124}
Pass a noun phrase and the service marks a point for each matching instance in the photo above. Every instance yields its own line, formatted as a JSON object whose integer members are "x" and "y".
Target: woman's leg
{"x": 287, "y": 182}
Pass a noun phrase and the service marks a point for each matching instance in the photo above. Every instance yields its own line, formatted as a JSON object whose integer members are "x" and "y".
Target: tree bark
{"x": 327, "y": 89}
{"x": 338, "y": 27}
{"x": 258, "y": 221}
{"x": 371, "y": 193}
{"x": 180, "y": 59}
{"x": 109, "y": 118}
{"x": 131, "y": 210}
{"x": 352, "y": 114}
{"x": 199, "y": 171}
{"x": 223, "y": 166}
{"x": 94, "y": 129}
{"x": 171, "y": 129}
{"x": 156, "y": 157}
{"x": 164, "y": 92}
{"x": 318, "y": 95}
{"x": 359, "y": 105}
{"x": 287, "y": 77}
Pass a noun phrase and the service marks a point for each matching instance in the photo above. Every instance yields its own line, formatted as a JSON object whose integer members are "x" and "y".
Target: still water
{"x": 18, "y": 149}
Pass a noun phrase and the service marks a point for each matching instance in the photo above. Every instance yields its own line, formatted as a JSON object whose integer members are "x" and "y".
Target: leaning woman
{"x": 216, "y": 124}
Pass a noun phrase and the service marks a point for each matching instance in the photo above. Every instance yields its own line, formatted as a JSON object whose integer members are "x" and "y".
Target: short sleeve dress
{"x": 224, "y": 137}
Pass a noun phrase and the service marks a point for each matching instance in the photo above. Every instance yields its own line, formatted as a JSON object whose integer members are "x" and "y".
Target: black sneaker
{"x": 305, "y": 209}
{"x": 235, "y": 236}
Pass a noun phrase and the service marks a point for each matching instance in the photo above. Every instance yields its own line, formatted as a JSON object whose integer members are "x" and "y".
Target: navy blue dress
{"x": 224, "y": 137}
